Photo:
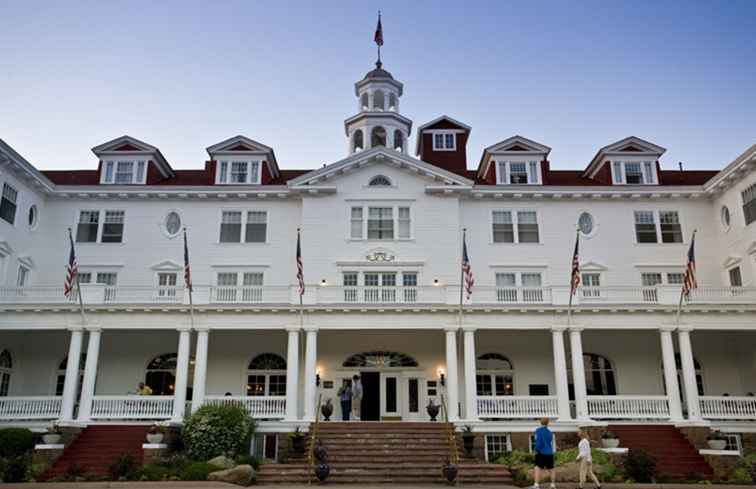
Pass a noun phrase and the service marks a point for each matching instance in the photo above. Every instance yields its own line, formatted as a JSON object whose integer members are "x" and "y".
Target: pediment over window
{"x": 514, "y": 146}
{"x": 245, "y": 149}
{"x": 166, "y": 266}
{"x": 593, "y": 266}
{"x": 731, "y": 261}
{"x": 132, "y": 148}
{"x": 5, "y": 248}
{"x": 751, "y": 250}
{"x": 27, "y": 261}
{"x": 630, "y": 146}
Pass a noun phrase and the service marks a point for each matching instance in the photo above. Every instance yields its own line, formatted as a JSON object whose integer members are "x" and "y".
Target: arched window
{"x": 680, "y": 378}
{"x": 398, "y": 140}
{"x": 60, "y": 380}
{"x": 358, "y": 141}
{"x": 161, "y": 374}
{"x": 380, "y": 359}
{"x": 392, "y": 101}
{"x": 379, "y": 181}
{"x": 494, "y": 375}
{"x": 365, "y": 101}
{"x": 6, "y": 370}
{"x": 378, "y": 137}
{"x": 599, "y": 376}
{"x": 379, "y": 100}
{"x": 266, "y": 375}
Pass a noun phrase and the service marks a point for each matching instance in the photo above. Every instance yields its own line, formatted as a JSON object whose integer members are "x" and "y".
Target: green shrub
{"x": 15, "y": 442}
{"x": 217, "y": 430}
{"x": 16, "y": 469}
{"x": 520, "y": 477}
{"x": 155, "y": 472}
{"x": 123, "y": 467}
{"x": 197, "y": 471}
{"x": 640, "y": 466}
{"x": 248, "y": 460}
{"x": 516, "y": 458}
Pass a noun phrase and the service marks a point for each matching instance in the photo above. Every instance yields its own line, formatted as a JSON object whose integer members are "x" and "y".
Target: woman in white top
{"x": 586, "y": 462}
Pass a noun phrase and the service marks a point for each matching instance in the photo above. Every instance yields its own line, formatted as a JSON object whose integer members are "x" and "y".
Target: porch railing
{"x": 30, "y": 407}
{"x": 723, "y": 295}
{"x": 527, "y": 407}
{"x": 628, "y": 407}
{"x": 268, "y": 407}
{"x": 726, "y": 407}
{"x": 132, "y": 407}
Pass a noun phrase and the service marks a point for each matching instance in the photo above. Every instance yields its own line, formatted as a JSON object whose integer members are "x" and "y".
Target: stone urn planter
{"x": 433, "y": 410}
{"x": 155, "y": 438}
{"x": 450, "y": 472}
{"x": 717, "y": 443}
{"x": 610, "y": 442}
{"x": 297, "y": 442}
{"x": 327, "y": 410}
{"x": 51, "y": 438}
{"x": 322, "y": 471}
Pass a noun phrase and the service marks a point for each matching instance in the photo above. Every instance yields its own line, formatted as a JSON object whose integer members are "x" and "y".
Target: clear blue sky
{"x": 185, "y": 75}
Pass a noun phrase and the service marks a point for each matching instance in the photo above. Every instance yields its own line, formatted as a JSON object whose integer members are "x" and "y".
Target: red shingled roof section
{"x": 686, "y": 177}
{"x": 189, "y": 178}
{"x": 569, "y": 178}
{"x": 73, "y": 177}
{"x": 286, "y": 175}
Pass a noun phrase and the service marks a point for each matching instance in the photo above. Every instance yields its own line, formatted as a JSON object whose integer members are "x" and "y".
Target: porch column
{"x": 471, "y": 392}
{"x": 689, "y": 374}
{"x": 90, "y": 375}
{"x": 452, "y": 382}
{"x": 311, "y": 357}
{"x": 670, "y": 374}
{"x": 200, "y": 369}
{"x": 578, "y": 374}
{"x": 560, "y": 373}
{"x": 292, "y": 374}
{"x": 182, "y": 375}
{"x": 70, "y": 385}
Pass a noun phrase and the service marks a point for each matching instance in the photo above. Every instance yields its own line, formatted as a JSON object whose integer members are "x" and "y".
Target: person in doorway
{"x": 356, "y": 398}
{"x": 143, "y": 389}
{"x": 544, "y": 454}
{"x": 345, "y": 396}
{"x": 586, "y": 461}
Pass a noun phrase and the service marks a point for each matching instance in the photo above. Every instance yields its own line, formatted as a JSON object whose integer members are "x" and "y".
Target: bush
{"x": 15, "y": 442}
{"x": 197, "y": 471}
{"x": 16, "y": 469}
{"x": 123, "y": 467}
{"x": 155, "y": 472}
{"x": 516, "y": 458}
{"x": 248, "y": 460}
{"x": 217, "y": 430}
{"x": 640, "y": 466}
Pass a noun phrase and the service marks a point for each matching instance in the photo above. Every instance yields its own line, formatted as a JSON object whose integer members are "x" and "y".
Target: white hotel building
{"x": 381, "y": 241}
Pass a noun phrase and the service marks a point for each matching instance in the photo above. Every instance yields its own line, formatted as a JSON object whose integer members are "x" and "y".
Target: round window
{"x": 172, "y": 223}
{"x": 585, "y": 223}
{"x": 725, "y": 217}
{"x": 33, "y": 216}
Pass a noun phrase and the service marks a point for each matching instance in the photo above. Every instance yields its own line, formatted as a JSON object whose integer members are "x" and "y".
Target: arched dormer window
{"x": 6, "y": 370}
{"x": 266, "y": 375}
{"x": 392, "y": 102}
{"x": 398, "y": 141}
{"x": 379, "y": 181}
{"x": 365, "y": 101}
{"x": 379, "y": 100}
{"x": 377, "y": 137}
{"x": 358, "y": 141}
{"x": 494, "y": 375}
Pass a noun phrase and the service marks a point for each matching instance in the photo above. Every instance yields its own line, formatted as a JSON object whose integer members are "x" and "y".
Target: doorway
{"x": 371, "y": 402}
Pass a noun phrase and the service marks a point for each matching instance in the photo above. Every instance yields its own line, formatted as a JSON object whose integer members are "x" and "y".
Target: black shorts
{"x": 544, "y": 461}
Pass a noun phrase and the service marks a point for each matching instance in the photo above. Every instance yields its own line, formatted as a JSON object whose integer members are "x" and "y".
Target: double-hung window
{"x": 167, "y": 284}
{"x": 254, "y": 224}
{"x": 383, "y": 223}
{"x": 238, "y": 172}
{"x": 23, "y": 276}
{"x": 8, "y": 204}
{"x": 669, "y": 223}
{"x": 736, "y": 279}
{"x": 88, "y": 229}
{"x": 125, "y": 172}
{"x": 444, "y": 141}
{"x": 749, "y": 204}
{"x": 380, "y": 223}
{"x": 591, "y": 281}
{"x": 518, "y": 172}
{"x": 239, "y": 287}
{"x": 109, "y": 280}
{"x": 529, "y": 289}
{"x": 650, "y": 225}
{"x": 633, "y": 172}
{"x": 112, "y": 227}
{"x": 515, "y": 226}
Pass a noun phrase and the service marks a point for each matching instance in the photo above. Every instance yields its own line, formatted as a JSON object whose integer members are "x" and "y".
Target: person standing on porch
{"x": 586, "y": 461}
{"x": 345, "y": 396}
{"x": 356, "y": 397}
{"x": 544, "y": 453}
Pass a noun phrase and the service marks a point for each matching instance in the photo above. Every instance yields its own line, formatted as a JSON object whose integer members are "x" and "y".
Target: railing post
{"x": 689, "y": 373}
{"x": 70, "y": 385}
{"x": 452, "y": 382}
{"x": 578, "y": 374}
{"x": 182, "y": 375}
{"x": 560, "y": 373}
{"x": 200, "y": 369}
{"x": 90, "y": 374}
{"x": 311, "y": 356}
{"x": 471, "y": 401}
{"x": 670, "y": 373}
{"x": 292, "y": 374}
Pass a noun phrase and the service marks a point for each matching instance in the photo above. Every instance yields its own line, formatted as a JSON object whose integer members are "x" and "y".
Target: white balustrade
{"x": 526, "y": 407}
{"x": 728, "y": 407}
{"x": 511, "y": 295}
{"x": 380, "y": 295}
{"x": 253, "y": 294}
{"x": 723, "y": 295}
{"x": 628, "y": 407}
{"x": 132, "y": 407}
{"x": 30, "y": 407}
{"x": 261, "y": 407}
{"x": 618, "y": 295}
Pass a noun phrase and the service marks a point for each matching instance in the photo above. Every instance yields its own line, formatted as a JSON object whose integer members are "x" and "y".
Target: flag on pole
{"x": 466, "y": 269}
{"x": 689, "y": 280}
{"x": 72, "y": 269}
{"x": 575, "y": 274}
{"x": 187, "y": 268}
{"x": 378, "y": 37}
{"x": 300, "y": 267}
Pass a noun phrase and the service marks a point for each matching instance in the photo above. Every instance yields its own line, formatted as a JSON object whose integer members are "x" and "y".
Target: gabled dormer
{"x": 242, "y": 161}
{"x": 443, "y": 142}
{"x": 514, "y": 161}
{"x": 631, "y": 161}
{"x": 129, "y": 161}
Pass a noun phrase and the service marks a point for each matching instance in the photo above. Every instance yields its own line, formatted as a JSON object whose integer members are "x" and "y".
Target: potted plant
{"x": 297, "y": 441}
{"x": 468, "y": 440}
{"x": 449, "y": 471}
{"x": 322, "y": 469}
{"x": 609, "y": 440}
{"x": 327, "y": 409}
{"x": 432, "y": 409}
{"x": 716, "y": 441}
{"x": 155, "y": 434}
{"x": 53, "y": 435}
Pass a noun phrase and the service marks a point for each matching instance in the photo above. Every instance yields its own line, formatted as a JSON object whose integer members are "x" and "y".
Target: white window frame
{"x": 167, "y": 290}
{"x": 657, "y": 224}
{"x": 14, "y": 201}
{"x": 394, "y": 215}
{"x": 508, "y": 443}
{"x": 515, "y": 229}
{"x": 443, "y": 134}
{"x": 244, "y": 217}
{"x": 25, "y": 272}
{"x": 229, "y": 161}
{"x": 621, "y": 178}
{"x": 100, "y": 225}
{"x": 116, "y": 162}
{"x": 503, "y": 171}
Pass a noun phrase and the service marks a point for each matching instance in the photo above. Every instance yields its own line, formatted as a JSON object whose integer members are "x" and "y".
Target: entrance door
{"x": 371, "y": 398}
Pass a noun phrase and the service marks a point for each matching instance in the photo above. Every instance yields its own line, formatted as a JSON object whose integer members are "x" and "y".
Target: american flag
{"x": 72, "y": 269}
{"x": 575, "y": 274}
{"x": 689, "y": 280}
{"x": 378, "y": 38}
{"x": 466, "y": 269}
{"x": 187, "y": 268}
{"x": 300, "y": 267}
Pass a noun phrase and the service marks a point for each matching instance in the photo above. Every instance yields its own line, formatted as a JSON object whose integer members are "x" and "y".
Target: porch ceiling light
{"x": 323, "y": 282}
{"x": 435, "y": 282}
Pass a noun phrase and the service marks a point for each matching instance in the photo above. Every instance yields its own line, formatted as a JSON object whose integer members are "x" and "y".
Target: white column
{"x": 689, "y": 374}
{"x": 310, "y": 371}
{"x": 452, "y": 382}
{"x": 560, "y": 373}
{"x": 200, "y": 369}
{"x": 292, "y": 375}
{"x": 71, "y": 383}
{"x": 182, "y": 375}
{"x": 90, "y": 374}
{"x": 578, "y": 374}
{"x": 670, "y": 374}
{"x": 471, "y": 393}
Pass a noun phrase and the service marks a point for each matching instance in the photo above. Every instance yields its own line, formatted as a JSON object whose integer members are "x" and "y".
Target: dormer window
{"x": 125, "y": 172}
{"x": 633, "y": 173}
{"x": 444, "y": 141}
{"x": 238, "y": 172}
{"x": 518, "y": 172}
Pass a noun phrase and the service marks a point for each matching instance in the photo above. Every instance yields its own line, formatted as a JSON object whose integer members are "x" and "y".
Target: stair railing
{"x": 451, "y": 438}
{"x": 313, "y": 437}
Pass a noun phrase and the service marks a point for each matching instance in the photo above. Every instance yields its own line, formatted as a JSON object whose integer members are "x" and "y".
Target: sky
{"x": 182, "y": 76}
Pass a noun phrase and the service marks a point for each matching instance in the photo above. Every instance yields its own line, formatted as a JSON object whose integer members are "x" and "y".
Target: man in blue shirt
{"x": 544, "y": 450}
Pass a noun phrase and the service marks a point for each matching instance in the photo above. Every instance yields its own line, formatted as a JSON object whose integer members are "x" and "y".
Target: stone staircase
{"x": 675, "y": 456}
{"x": 384, "y": 452}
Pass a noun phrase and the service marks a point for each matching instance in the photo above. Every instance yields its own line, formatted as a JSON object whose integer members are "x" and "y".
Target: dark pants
{"x": 346, "y": 408}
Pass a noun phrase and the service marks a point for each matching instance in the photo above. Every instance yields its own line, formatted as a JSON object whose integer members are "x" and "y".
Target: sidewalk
{"x": 222, "y": 485}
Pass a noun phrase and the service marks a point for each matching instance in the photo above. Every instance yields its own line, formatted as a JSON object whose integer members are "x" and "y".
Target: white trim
{"x": 100, "y": 225}
{"x": 514, "y": 212}
{"x": 243, "y": 233}
{"x": 230, "y": 159}
{"x": 444, "y": 133}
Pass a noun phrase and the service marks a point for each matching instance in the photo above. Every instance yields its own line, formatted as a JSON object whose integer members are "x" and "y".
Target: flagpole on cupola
{"x": 378, "y": 38}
